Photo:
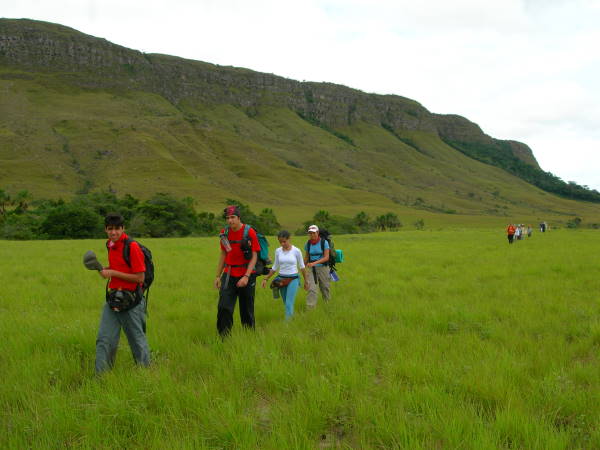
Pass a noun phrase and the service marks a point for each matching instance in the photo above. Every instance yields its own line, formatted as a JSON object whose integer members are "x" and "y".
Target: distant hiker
{"x": 529, "y": 231}
{"x": 543, "y": 227}
{"x": 510, "y": 232}
{"x": 518, "y": 232}
{"x": 316, "y": 258}
{"x": 125, "y": 305}
{"x": 289, "y": 262}
{"x": 236, "y": 277}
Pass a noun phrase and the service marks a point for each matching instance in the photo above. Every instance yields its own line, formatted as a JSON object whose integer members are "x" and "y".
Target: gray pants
{"x": 133, "y": 323}
{"x": 323, "y": 278}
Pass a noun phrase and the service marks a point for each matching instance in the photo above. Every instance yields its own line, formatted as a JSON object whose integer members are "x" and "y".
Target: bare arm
{"x": 269, "y": 275}
{"x": 303, "y": 270}
{"x": 220, "y": 266}
{"x": 324, "y": 259}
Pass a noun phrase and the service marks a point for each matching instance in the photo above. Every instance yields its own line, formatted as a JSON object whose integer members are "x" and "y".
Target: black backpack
{"x": 149, "y": 274}
{"x": 325, "y": 236}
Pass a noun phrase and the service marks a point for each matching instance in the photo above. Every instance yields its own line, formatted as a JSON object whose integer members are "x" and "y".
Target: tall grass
{"x": 432, "y": 340}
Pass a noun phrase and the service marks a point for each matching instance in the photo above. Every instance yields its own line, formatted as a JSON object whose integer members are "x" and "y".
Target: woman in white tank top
{"x": 289, "y": 263}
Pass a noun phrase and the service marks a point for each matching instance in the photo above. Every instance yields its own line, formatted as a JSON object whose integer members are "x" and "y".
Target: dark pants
{"x": 227, "y": 298}
{"x": 510, "y": 238}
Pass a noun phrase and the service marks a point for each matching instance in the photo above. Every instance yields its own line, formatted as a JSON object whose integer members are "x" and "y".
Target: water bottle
{"x": 334, "y": 276}
{"x": 225, "y": 242}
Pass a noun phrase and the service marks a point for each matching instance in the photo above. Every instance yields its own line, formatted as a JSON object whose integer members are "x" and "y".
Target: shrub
{"x": 166, "y": 216}
{"x": 575, "y": 222}
{"x": 388, "y": 222}
{"x": 20, "y": 227}
{"x": 207, "y": 224}
{"x": 70, "y": 221}
{"x": 334, "y": 224}
{"x": 363, "y": 222}
{"x": 267, "y": 222}
{"x": 419, "y": 224}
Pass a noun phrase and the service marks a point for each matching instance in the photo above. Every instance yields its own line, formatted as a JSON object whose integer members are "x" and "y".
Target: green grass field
{"x": 433, "y": 339}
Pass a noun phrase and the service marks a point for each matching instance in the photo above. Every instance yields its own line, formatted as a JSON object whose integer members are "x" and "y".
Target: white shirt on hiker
{"x": 288, "y": 262}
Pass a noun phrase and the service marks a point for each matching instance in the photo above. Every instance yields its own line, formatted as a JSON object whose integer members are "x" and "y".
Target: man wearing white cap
{"x": 316, "y": 259}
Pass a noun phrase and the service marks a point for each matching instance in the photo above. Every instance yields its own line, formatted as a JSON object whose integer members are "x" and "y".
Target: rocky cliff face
{"x": 96, "y": 63}
{"x": 523, "y": 152}
{"x": 456, "y": 128}
{"x": 453, "y": 128}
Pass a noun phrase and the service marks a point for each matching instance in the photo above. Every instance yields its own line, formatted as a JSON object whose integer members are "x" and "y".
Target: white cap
{"x": 313, "y": 228}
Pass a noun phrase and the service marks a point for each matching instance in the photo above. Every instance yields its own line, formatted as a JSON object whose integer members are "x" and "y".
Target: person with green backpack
{"x": 236, "y": 274}
{"x": 316, "y": 259}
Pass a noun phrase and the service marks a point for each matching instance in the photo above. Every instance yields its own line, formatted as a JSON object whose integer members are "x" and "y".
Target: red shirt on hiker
{"x": 235, "y": 262}
{"x": 117, "y": 262}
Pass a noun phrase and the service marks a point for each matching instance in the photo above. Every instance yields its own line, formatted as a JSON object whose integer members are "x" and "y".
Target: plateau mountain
{"x": 79, "y": 113}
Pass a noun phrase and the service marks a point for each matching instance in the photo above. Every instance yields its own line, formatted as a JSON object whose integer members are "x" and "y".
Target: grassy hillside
{"x": 78, "y": 113}
{"x": 56, "y": 139}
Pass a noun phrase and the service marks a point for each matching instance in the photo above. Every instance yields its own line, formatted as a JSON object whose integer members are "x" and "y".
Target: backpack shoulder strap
{"x": 127, "y": 250}
{"x": 322, "y": 245}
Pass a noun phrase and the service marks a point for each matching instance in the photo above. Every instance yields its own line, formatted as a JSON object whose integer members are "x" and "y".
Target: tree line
{"x": 360, "y": 223}
{"x": 24, "y": 218}
{"x": 499, "y": 154}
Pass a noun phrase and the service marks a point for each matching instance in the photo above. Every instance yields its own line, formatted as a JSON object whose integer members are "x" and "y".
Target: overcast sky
{"x": 526, "y": 70}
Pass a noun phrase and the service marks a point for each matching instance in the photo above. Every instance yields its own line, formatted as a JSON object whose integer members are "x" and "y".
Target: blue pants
{"x": 288, "y": 295}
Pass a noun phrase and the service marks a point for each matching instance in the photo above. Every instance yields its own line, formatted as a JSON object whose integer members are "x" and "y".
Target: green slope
{"x": 59, "y": 137}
